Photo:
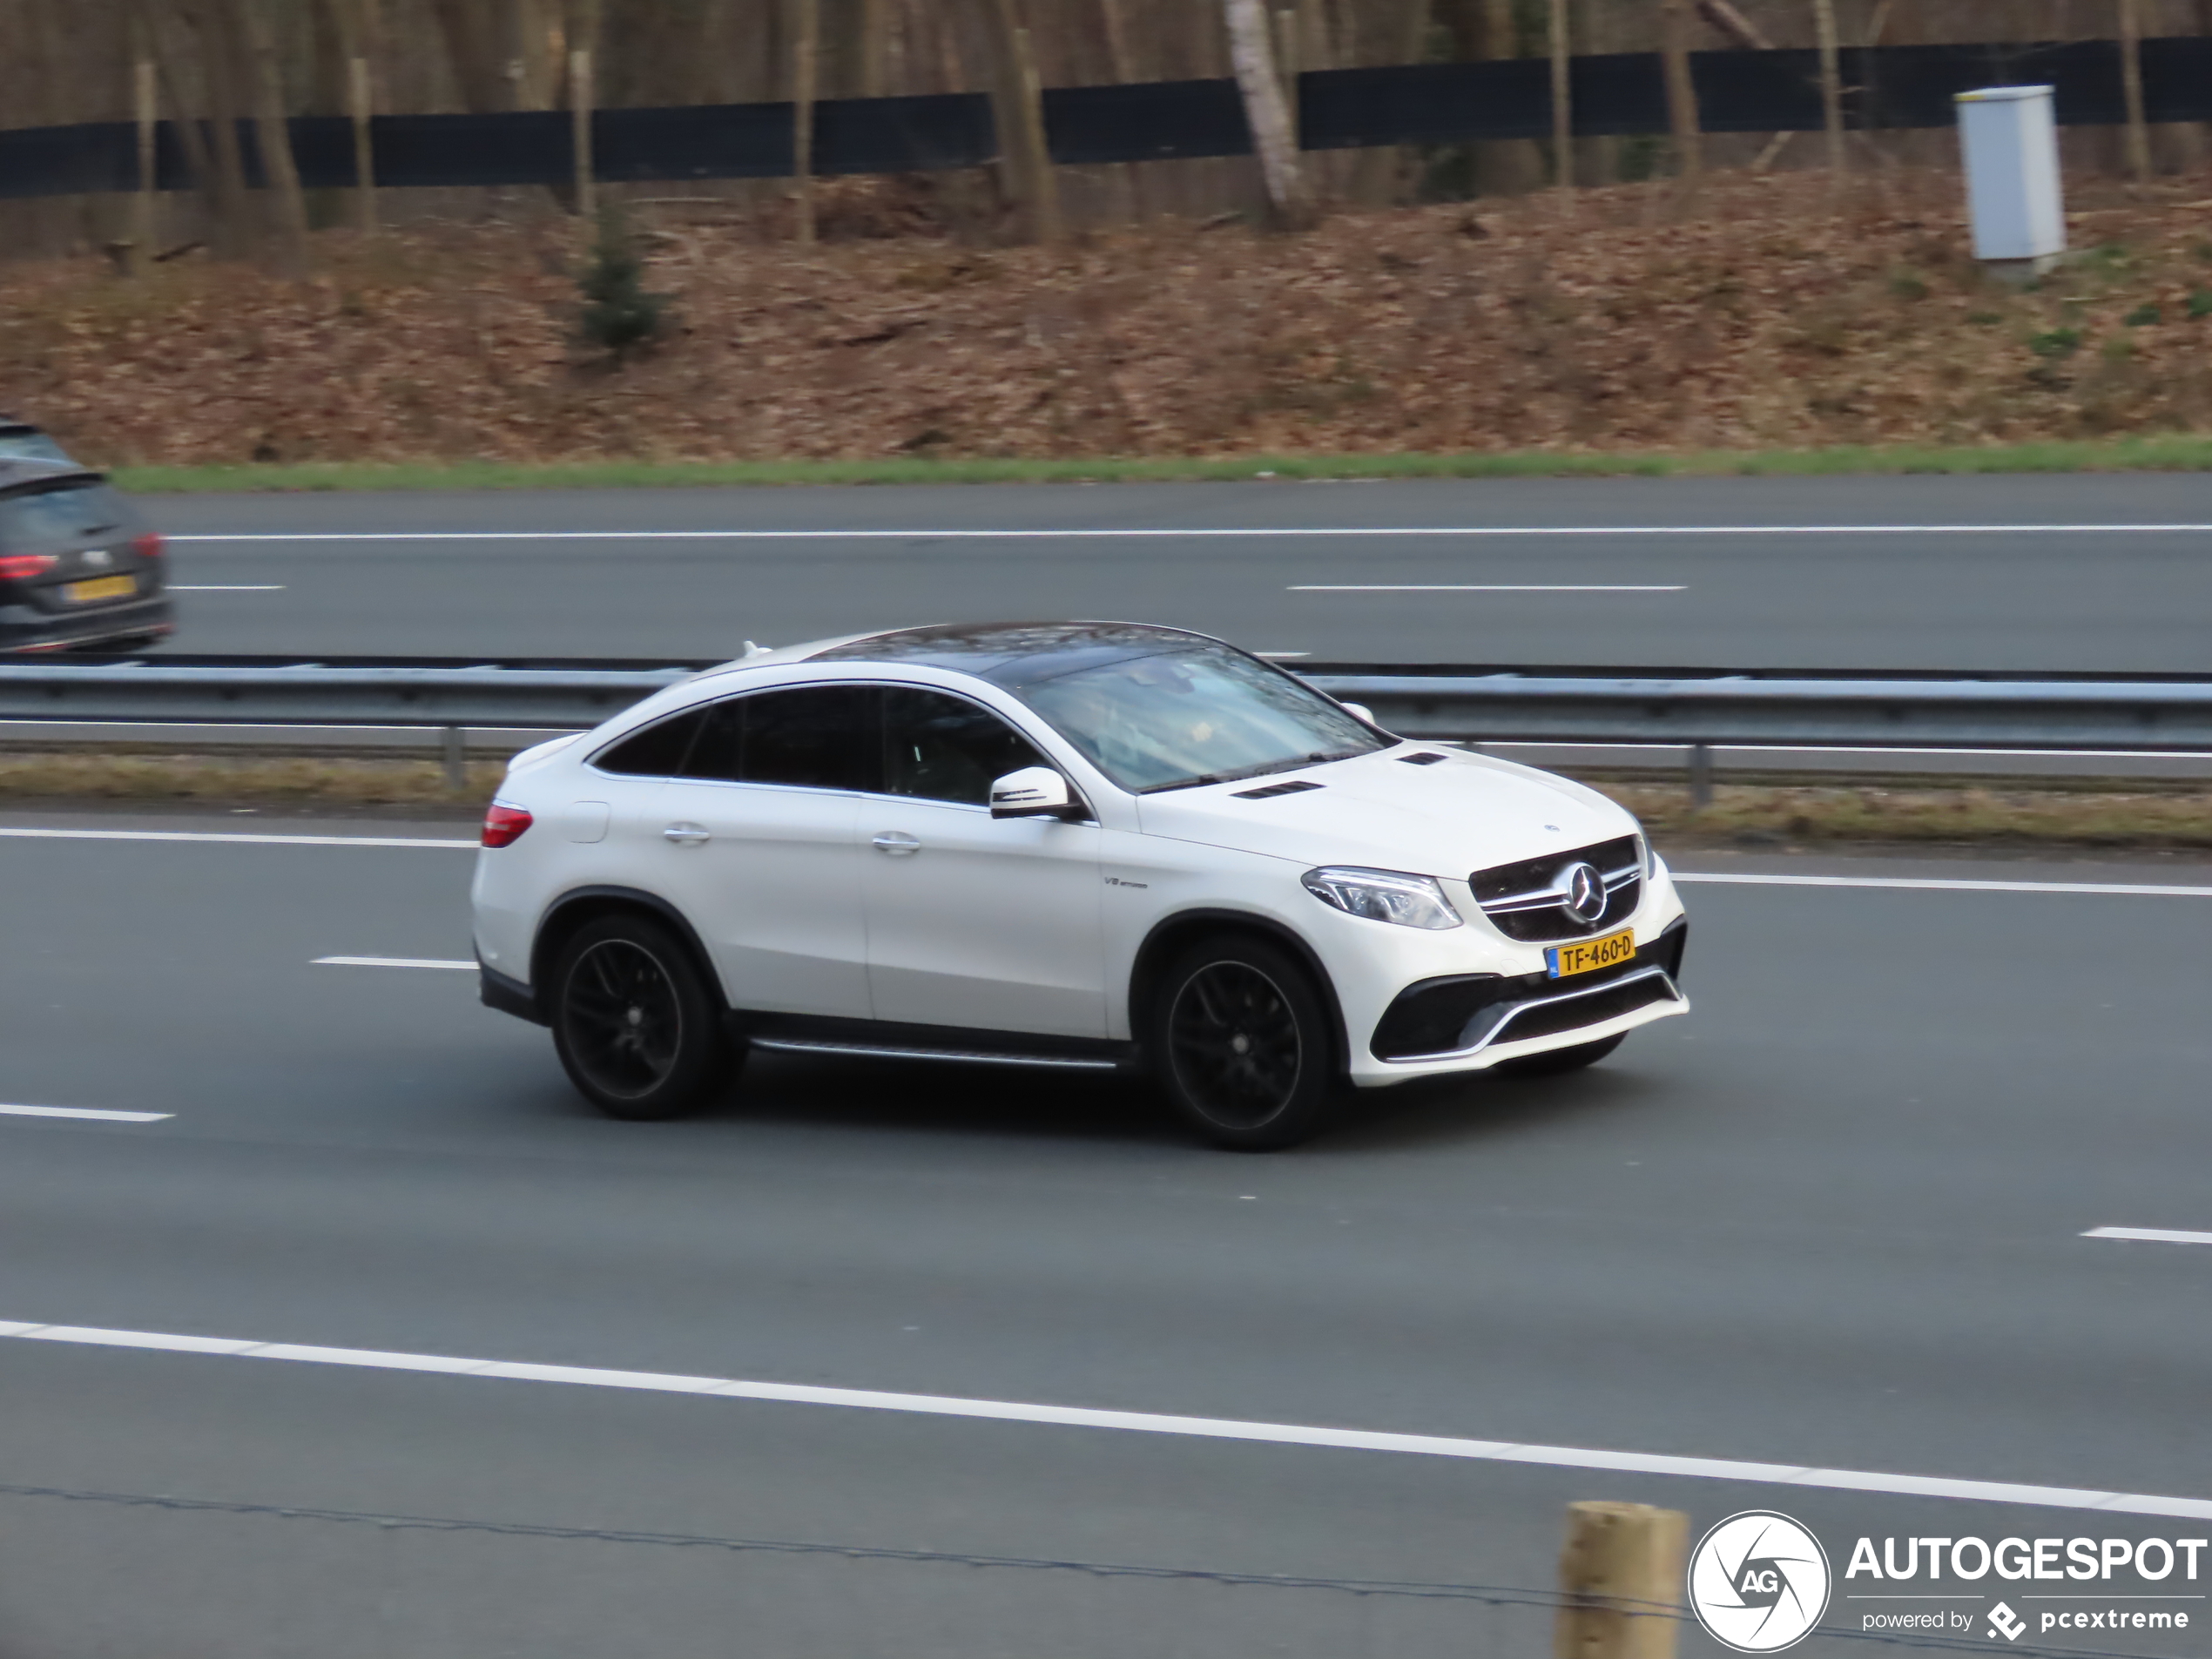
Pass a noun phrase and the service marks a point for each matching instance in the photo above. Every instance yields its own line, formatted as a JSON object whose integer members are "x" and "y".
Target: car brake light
{"x": 16, "y": 566}
{"x": 148, "y": 546}
{"x": 504, "y": 825}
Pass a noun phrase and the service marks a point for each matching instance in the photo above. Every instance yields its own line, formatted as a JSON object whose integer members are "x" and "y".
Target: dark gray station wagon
{"x": 80, "y": 569}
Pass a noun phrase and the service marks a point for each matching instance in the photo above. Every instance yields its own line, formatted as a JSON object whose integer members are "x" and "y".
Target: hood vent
{"x": 1296, "y": 787}
{"x": 1427, "y": 758}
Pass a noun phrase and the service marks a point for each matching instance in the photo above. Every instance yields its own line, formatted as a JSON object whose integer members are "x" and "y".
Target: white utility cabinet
{"x": 2011, "y": 143}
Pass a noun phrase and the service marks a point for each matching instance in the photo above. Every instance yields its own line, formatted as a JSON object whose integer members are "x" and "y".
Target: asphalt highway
{"x": 2080, "y": 573}
{"x": 1832, "y": 1221}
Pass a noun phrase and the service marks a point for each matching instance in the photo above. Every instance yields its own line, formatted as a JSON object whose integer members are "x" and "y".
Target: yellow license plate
{"x": 1609, "y": 952}
{"x": 106, "y": 587}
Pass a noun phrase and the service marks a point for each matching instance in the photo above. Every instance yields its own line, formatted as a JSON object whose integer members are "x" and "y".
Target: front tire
{"x": 634, "y": 1023}
{"x": 1555, "y": 1062}
{"x": 1244, "y": 1045}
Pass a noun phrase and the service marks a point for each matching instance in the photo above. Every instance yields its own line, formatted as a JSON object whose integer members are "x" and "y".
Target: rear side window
{"x": 23, "y": 444}
{"x": 813, "y": 737}
{"x": 58, "y": 521}
{"x": 941, "y": 748}
{"x": 658, "y": 751}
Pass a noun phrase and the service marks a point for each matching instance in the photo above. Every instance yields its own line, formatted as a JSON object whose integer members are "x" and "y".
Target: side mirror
{"x": 1360, "y": 710}
{"x": 1033, "y": 792}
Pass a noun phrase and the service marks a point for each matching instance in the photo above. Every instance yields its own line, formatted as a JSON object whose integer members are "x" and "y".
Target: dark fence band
{"x": 1417, "y": 103}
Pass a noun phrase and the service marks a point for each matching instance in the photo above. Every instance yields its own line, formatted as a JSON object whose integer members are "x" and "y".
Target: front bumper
{"x": 1466, "y": 1020}
{"x": 25, "y": 628}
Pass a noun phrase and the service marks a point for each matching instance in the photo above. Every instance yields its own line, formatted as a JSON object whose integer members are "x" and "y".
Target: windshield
{"x": 1201, "y": 715}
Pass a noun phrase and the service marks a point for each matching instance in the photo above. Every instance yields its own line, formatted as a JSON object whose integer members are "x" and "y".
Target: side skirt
{"x": 883, "y": 1040}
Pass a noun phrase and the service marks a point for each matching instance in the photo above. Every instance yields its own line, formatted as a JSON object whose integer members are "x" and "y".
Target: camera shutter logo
{"x": 1758, "y": 1581}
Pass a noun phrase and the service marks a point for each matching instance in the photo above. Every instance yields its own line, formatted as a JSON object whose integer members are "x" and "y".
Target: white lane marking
{"x": 1214, "y": 1428}
{"x": 228, "y": 587}
{"x": 96, "y": 1114}
{"x": 390, "y": 961}
{"x": 1098, "y": 532}
{"x": 2149, "y": 1234}
{"x": 24, "y": 833}
{"x": 1485, "y": 587}
{"x": 2115, "y": 889}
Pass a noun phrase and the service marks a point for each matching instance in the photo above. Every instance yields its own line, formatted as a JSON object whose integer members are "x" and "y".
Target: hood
{"x": 1463, "y": 813}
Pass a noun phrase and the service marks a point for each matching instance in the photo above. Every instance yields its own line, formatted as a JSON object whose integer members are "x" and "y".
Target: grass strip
{"x": 2061, "y": 815}
{"x": 2179, "y": 452}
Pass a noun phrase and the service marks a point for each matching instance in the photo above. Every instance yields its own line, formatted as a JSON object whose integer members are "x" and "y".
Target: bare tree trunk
{"x": 2131, "y": 81}
{"x": 582, "y": 98}
{"x": 1017, "y": 108}
{"x": 233, "y": 227}
{"x": 1563, "y": 107}
{"x": 146, "y": 107}
{"x": 361, "y": 106}
{"x": 1378, "y": 170}
{"x": 805, "y": 42}
{"x": 1507, "y": 166}
{"x": 1831, "y": 90}
{"x": 1682, "y": 94}
{"x": 1267, "y": 114}
{"x": 272, "y": 128}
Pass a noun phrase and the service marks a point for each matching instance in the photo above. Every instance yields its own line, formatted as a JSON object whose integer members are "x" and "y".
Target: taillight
{"x": 16, "y": 567}
{"x": 147, "y": 546}
{"x": 504, "y": 825}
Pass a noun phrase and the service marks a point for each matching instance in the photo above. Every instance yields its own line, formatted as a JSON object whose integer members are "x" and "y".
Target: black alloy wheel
{"x": 1555, "y": 1061}
{"x": 635, "y": 1026}
{"x": 1244, "y": 1045}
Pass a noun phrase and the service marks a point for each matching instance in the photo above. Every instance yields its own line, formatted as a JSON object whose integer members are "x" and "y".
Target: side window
{"x": 941, "y": 748}
{"x": 658, "y": 751}
{"x": 817, "y": 737}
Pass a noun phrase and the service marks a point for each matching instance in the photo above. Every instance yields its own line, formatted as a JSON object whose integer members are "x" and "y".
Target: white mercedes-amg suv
{"x": 1090, "y": 845}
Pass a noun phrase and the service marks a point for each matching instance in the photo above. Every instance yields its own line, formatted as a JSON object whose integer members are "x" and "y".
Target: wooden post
{"x": 1831, "y": 90}
{"x": 580, "y": 97}
{"x": 146, "y": 101}
{"x": 359, "y": 104}
{"x": 1562, "y": 108}
{"x": 1266, "y": 113}
{"x": 1682, "y": 94}
{"x": 2131, "y": 81}
{"x": 805, "y": 64}
{"x": 1621, "y": 1567}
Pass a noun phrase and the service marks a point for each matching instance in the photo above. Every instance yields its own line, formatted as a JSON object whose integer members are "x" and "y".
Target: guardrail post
{"x": 1701, "y": 776}
{"x": 454, "y": 751}
{"x": 1621, "y": 1572}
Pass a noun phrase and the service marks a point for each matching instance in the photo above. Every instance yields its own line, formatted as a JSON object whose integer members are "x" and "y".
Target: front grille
{"x": 1572, "y": 1014}
{"x": 1523, "y": 900}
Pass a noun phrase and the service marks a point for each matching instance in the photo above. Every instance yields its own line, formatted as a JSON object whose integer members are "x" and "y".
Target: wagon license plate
{"x": 106, "y": 587}
{"x": 1591, "y": 954}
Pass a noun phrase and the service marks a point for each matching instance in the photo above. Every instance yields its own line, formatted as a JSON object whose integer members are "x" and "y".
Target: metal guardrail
{"x": 1681, "y": 707}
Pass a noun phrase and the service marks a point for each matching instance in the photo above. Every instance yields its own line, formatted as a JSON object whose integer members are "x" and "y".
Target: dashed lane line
{"x": 96, "y": 1116}
{"x": 1209, "y": 1428}
{"x": 2150, "y": 1235}
{"x": 41, "y": 833}
{"x": 392, "y": 962}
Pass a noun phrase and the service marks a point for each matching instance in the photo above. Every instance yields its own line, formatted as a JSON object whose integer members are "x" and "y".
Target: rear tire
{"x": 1558, "y": 1061}
{"x": 635, "y": 1027}
{"x": 1244, "y": 1044}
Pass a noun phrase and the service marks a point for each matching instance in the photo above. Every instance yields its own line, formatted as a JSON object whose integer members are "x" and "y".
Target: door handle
{"x": 687, "y": 835}
{"x": 897, "y": 843}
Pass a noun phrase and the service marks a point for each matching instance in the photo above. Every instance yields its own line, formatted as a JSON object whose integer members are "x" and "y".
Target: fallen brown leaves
{"x": 1762, "y": 318}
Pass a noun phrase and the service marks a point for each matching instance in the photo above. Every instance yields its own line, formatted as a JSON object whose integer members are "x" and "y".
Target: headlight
{"x": 1384, "y": 895}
